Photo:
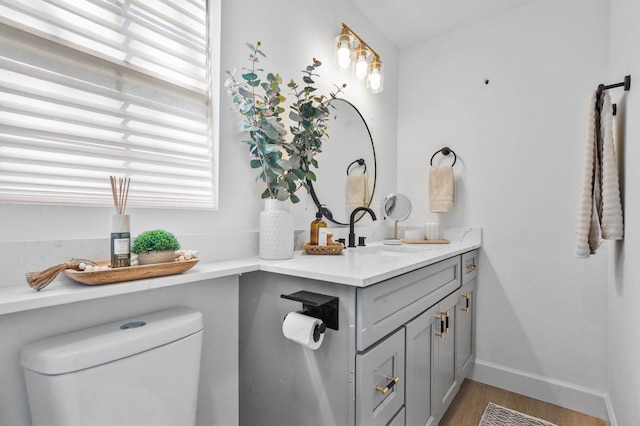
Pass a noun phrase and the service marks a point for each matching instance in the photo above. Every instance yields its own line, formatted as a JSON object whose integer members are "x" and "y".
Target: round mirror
{"x": 397, "y": 207}
{"x": 347, "y": 172}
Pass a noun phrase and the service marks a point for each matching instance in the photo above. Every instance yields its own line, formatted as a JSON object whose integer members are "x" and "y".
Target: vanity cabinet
{"x": 402, "y": 348}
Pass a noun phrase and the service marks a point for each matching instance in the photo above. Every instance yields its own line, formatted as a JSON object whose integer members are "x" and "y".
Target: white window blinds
{"x": 93, "y": 88}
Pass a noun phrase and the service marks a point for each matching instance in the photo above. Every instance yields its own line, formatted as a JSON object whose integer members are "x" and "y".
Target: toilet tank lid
{"x": 110, "y": 342}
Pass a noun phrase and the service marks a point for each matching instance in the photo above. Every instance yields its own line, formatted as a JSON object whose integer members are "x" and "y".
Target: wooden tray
{"x": 425, "y": 241}
{"x": 130, "y": 273}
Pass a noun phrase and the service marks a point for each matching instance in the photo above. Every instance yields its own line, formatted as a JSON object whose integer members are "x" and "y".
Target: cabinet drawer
{"x": 469, "y": 266}
{"x": 384, "y": 307}
{"x": 380, "y": 381}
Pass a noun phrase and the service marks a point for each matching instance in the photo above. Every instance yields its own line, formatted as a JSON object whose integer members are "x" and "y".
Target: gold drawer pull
{"x": 392, "y": 383}
{"x": 445, "y": 315}
{"x": 440, "y": 318}
{"x": 471, "y": 267}
{"x": 466, "y": 296}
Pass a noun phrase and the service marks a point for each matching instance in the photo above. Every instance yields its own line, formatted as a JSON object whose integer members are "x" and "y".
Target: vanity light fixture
{"x": 353, "y": 52}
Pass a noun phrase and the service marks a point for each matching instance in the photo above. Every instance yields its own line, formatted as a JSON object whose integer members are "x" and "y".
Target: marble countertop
{"x": 360, "y": 267}
{"x": 364, "y": 266}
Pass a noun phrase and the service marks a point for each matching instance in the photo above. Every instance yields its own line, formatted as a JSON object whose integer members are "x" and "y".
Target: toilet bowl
{"x": 142, "y": 371}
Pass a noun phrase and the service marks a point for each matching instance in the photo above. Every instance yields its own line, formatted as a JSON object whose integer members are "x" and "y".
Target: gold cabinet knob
{"x": 392, "y": 383}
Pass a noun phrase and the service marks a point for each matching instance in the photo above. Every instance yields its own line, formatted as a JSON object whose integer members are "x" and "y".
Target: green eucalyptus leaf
{"x": 294, "y": 198}
{"x": 294, "y": 116}
{"x": 245, "y": 93}
{"x": 299, "y": 173}
{"x": 250, "y": 76}
{"x": 255, "y": 164}
{"x": 310, "y": 175}
{"x": 307, "y": 80}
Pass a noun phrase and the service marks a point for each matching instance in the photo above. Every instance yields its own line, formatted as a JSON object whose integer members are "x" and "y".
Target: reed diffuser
{"x": 120, "y": 233}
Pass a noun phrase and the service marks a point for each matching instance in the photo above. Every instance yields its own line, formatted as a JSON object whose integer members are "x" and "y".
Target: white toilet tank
{"x": 141, "y": 371}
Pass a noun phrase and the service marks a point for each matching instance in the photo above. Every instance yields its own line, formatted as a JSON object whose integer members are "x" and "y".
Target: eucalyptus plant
{"x": 285, "y": 166}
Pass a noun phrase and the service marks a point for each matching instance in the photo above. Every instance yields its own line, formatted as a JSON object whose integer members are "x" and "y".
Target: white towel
{"x": 599, "y": 208}
{"x": 442, "y": 189}
{"x": 611, "y": 207}
{"x": 356, "y": 192}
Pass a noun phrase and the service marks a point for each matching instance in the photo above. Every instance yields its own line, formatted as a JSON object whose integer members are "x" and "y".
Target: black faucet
{"x": 352, "y": 219}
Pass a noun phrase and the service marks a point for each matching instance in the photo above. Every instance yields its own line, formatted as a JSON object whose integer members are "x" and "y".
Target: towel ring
{"x": 360, "y": 162}
{"x": 445, "y": 151}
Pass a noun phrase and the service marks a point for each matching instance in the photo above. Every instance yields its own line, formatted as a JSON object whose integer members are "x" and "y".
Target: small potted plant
{"x": 155, "y": 246}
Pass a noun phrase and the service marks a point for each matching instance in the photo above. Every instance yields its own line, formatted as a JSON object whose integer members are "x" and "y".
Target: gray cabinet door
{"x": 445, "y": 383}
{"x": 380, "y": 375}
{"x": 418, "y": 402}
{"x": 465, "y": 341}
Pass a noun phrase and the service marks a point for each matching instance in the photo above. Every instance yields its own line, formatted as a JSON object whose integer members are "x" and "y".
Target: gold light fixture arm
{"x": 346, "y": 28}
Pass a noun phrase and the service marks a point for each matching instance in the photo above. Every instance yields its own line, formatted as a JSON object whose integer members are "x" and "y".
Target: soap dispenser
{"x": 318, "y": 231}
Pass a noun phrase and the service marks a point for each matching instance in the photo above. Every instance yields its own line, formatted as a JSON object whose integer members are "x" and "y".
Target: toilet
{"x": 142, "y": 371}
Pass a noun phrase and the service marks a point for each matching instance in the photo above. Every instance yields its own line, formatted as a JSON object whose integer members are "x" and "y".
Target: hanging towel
{"x": 442, "y": 189}
{"x": 611, "y": 206}
{"x": 356, "y": 191}
{"x": 599, "y": 209}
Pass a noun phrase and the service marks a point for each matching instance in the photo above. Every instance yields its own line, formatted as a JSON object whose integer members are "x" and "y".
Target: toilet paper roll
{"x": 299, "y": 328}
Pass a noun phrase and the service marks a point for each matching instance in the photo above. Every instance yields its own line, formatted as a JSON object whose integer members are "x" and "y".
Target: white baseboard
{"x": 588, "y": 401}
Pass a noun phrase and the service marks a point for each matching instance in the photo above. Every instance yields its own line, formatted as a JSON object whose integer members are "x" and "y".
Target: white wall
{"x": 519, "y": 140}
{"x": 623, "y": 283}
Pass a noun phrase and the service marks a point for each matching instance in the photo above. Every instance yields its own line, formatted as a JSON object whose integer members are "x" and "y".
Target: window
{"x": 94, "y": 88}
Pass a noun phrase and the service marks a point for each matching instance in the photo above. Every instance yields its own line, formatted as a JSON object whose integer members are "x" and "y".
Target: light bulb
{"x": 344, "y": 55}
{"x": 375, "y": 80}
{"x": 361, "y": 68}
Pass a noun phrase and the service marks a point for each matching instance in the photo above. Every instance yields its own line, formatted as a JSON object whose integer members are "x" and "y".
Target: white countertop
{"x": 360, "y": 267}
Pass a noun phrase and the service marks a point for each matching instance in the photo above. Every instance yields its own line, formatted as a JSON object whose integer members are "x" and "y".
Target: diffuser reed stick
{"x": 120, "y": 192}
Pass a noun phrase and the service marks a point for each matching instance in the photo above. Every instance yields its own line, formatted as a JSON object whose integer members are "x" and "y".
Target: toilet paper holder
{"x": 318, "y": 306}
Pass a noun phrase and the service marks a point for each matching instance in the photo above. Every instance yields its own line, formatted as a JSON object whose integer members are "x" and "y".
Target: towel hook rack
{"x": 360, "y": 162}
{"x": 445, "y": 151}
{"x": 626, "y": 84}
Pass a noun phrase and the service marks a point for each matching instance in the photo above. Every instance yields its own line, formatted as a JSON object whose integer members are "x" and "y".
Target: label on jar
{"x": 322, "y": 236}
{"x": 120, "y": 243}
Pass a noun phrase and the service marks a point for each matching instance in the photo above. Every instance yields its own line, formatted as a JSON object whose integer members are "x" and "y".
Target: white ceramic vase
{"x": 276, "y": 230}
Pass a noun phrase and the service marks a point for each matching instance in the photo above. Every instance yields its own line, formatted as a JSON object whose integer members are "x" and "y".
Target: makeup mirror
{"x": 347, "y": 172}
{"x": 397, "y": 207}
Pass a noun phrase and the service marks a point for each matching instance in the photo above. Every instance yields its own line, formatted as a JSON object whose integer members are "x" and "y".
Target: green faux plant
{"x": 155, "y": 240}
{"x": 285, "y": 166}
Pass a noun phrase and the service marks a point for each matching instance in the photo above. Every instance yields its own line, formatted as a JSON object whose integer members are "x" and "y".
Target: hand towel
{"x": 442, "y": 189}
{"x": 611, "y": 206}
{"x": 599, "y": 208}
{"x": 356, "y": 191}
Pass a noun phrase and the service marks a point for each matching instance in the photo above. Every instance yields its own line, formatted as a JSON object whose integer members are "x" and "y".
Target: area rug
{"x": 495, "y": 415}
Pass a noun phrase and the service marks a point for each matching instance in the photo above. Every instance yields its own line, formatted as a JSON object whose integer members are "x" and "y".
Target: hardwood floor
{"x": 468, "y": 406}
